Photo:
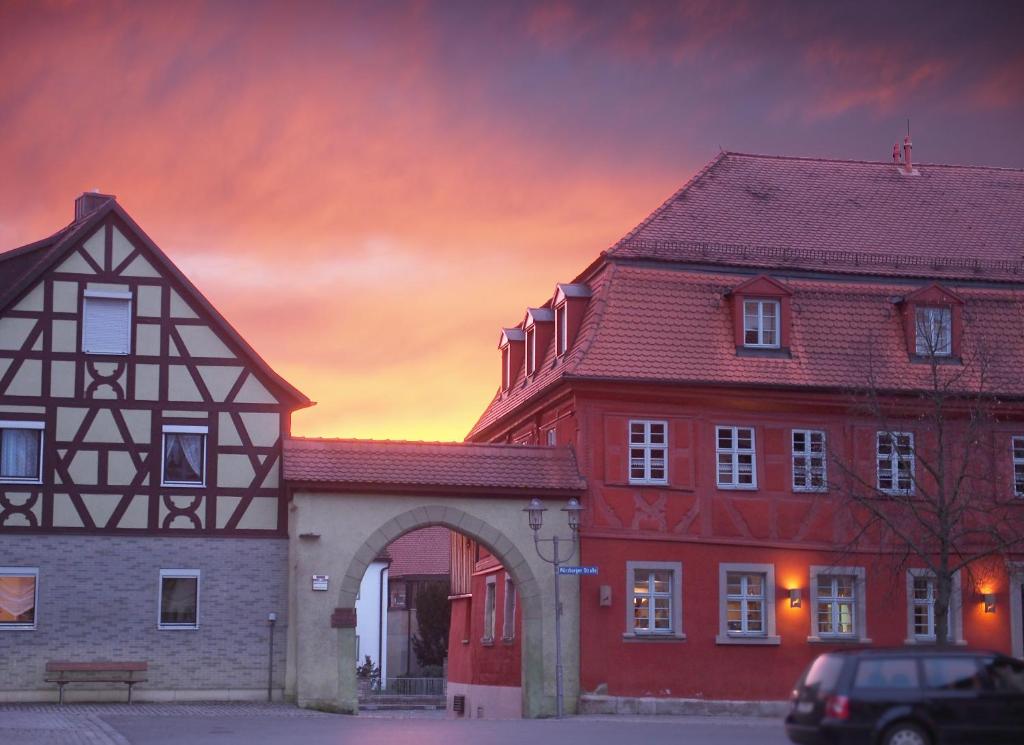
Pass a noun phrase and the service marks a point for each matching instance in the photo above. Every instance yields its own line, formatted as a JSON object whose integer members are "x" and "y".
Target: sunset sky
{"x": 368, "y": 192}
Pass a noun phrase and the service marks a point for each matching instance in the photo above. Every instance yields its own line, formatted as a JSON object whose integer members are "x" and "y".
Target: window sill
{"x": 930, "y": 642}
{"x": 798, "y": 490}
{"x": 177, "y": 628}
{"x": 637, "y": 482}
{"x": 21, "y": 482}
{"x": 779, "y": 353}
{"x": 182, "y": 485}
{"x": 487, "y": 642}
{"x": 762, "y": 641}
{"x": 939, "y": 359}
{"x": 838, "y": 640}
{"x": 16, "y": 627}
{"x": 628, "y": 637}
{"x": 508, "y": 641}
{"x": 728, "y": 487}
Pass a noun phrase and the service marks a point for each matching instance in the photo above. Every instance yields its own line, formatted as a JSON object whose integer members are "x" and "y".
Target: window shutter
{"x": 616, "y": 450}
{"x": 107, "y": 328}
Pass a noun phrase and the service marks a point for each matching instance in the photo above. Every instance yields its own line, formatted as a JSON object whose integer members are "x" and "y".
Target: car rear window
{"x": 951, "y": 673}
{"x": 823, "y": 673}
{"x": 894, "y": 673}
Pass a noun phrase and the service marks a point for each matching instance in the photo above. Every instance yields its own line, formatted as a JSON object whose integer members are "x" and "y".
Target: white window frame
{"x": 894, "y": 459}
{"x": 734, "y": 451}
{"x": 1017, "y": 458}
{"x": 768, "y": 636}
{"x": 648, "y": 447}
{"x": 860, "y": 615}
{"x": 809, "y": 455}
{"x": 675, "y": 630}
{"x": 490, "y": 608}
{"x": 761, "y": 328}
{"x": 178, "y": 574}
{"x": 956, "y": 621}
{"x": 531, "y": 350}
{"x": 508, "y": 615}
{"x": 33, "y": 425}
{"x": 24, "y": 572}
{"x": 561, "y": 329}
{"x": 106, "y": 295}
{"x": 934, "y": 320}
{"x": 551, "y": 437}
{"x": 187, "y": 429}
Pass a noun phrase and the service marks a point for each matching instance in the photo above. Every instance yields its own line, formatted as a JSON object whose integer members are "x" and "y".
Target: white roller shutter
{"x": 108, "y": 322}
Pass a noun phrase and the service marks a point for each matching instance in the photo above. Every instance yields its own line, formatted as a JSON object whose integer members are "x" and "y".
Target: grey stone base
{"x": 594, "y": 704}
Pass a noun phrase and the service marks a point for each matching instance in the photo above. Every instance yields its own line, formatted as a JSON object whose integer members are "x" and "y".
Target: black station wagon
{"x": 923, "y": 696}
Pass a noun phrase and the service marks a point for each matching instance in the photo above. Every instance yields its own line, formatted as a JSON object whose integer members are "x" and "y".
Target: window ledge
{"x": 931, "y": 642}
{"x": 628, "y": 637}
{"x": 750, "y": 640}
{"x": 639, "y": 482}
{"x": 508, "y": 641}
{"x": 838, "y": 640}
{"x": 727, "y": 487}
{"x": 487, "y": 642}
{"x": 19, "y": 627}
{"x": 939, "y": 359}
{"x": 22, "y": 482}
{"x": 177, "y": 628}
{"x": 779, "y": 353}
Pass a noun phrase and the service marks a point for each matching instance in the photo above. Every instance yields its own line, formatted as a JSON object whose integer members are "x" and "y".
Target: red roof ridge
{"x": 858, "y": 161}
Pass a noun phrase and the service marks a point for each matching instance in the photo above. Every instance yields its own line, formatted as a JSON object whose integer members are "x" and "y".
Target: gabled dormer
{"x": 932, "y": 323}
{"x": 538, "y": 327}
{"x": 761, "y": 311}
{"x": 569, "y": 303}
{"x": 511, "y": 345}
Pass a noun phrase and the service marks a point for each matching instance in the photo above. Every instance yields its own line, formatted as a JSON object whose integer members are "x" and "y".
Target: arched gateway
{"x": 349, "y": 499}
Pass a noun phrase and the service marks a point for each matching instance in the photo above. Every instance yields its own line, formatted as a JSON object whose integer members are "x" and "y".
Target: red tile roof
{"x": 421, "y": 553}
{"x": 437, "y": 467}
{"x": 840, "y": 215}
{"x": 658, "y": 311}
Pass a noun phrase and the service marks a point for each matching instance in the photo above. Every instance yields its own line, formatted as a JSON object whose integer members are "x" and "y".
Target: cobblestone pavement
{"x": 270, "y": 724}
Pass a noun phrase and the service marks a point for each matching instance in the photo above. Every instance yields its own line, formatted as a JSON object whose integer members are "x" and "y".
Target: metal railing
{"x": 408, "y": 687}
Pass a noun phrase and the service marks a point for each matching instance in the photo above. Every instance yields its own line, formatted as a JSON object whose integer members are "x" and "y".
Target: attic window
{"x": 561, "y": 329}
{"x": 107, "y": 318}
{"x": 531, "y": 351}
{"x": 506, "y": 367}
{"x": 933, "y": 327}
{"x": 761, "y": 323}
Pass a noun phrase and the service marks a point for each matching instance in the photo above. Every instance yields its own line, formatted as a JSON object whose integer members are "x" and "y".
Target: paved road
{"x": 249, "y": 724}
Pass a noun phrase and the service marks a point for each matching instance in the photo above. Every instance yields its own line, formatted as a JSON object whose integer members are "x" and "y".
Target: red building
{"x": 705, "y": 369}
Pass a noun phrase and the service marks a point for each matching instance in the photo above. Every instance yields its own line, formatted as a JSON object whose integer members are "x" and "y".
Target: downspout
{"x": 381, "y": 627}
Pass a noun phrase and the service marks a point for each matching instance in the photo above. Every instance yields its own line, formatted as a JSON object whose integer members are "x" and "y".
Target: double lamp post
{"x": 536, "y": 511}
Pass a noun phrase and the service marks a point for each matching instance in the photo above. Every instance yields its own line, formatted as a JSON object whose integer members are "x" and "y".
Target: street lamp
{"x": 535, "y": 513}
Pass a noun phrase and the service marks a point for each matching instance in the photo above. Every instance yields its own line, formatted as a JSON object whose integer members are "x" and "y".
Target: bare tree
{"x": 940, "y": 495}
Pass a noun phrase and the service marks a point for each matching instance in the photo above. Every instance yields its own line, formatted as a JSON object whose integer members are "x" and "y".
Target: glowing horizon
{"x": 369, "y": 192}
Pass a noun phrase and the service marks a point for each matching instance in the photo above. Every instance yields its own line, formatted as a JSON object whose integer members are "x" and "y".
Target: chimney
{"x": 908, "y": 164}
{"x": 89, "y": 202}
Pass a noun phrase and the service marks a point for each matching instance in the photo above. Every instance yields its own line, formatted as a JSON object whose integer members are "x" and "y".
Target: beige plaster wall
{"x": 340, "y": 534}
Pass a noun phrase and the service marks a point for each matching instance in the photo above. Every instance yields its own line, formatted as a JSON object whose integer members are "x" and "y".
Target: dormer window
{"x": 561, "y": 329}
{"x": 933, "y": 331}
{"x": 511, "y": 346}
{"x": 761, "y": 323}
{"x": 531, "y": 351}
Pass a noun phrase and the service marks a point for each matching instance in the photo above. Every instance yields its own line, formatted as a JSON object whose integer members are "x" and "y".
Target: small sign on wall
{"x": 320, "y": 582}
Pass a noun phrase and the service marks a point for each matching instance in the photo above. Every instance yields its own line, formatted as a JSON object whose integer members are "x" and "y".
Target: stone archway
{"x": 340, "y": 533}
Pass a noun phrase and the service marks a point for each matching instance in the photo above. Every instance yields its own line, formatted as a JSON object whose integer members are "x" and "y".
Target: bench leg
{"x": 60, "y": 695}
{"x": 129, "y": 692}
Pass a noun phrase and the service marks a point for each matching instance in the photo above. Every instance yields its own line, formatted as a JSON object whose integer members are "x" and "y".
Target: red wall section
{"x": 470, "y": 659}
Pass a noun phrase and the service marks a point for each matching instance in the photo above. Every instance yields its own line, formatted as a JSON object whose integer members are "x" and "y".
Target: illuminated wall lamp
{"x": 794, "y": 597}
{"x": 989, "y": 599}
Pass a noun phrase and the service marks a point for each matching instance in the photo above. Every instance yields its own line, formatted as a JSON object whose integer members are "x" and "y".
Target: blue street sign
{"x": 589, "y": 571}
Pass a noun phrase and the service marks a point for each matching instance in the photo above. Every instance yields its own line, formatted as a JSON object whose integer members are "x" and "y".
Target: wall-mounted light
{"x": 989, "y": 599}
{"x": 794, "y": 597}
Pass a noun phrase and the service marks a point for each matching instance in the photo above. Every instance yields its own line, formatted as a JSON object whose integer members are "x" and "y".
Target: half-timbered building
{"x": 142, "y": 513}
{"x": 712, "y": 370}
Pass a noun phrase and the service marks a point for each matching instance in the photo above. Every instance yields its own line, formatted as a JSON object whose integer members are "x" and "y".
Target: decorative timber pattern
{"x": 104, "y": 416}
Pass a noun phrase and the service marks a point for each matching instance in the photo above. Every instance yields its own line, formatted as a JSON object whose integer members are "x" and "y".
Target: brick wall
{"x": 98, "y": 601}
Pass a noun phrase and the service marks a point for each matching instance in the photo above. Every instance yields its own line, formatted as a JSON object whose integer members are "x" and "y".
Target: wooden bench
{"x": 63, "y": 673}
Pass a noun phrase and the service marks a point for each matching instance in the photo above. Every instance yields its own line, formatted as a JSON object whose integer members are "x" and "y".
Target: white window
{"x": 895, "y": 457}
{"x": 489, "y": 609}
{"x": 1018, "y": 466}
{"x": 508, "y": 617}
{"x": 654, "y": 590}
{"x": 921, "y": 594}
{"x": 736, "y": 457}
{"x": 19, "y": 597}
{"x": 934, "y": 331}
{"x": 184, "y": 455}
{"x": 561, "y": 329}
{"x": 552, "y": 437}
{"x": 809, "y": 460}
{"x": 761, "y": 323}
{"x": 531, "y": 350}
{"x": 107, "y": 327}
{"x": 746, "y": 604}
{"x": 397, "y": 595}
{"x": 179, "y": 599}
{"x": 21, "y": 452}
{"x": 838, "y": 603}
{"x": 648, "y": 451}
